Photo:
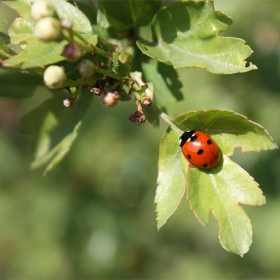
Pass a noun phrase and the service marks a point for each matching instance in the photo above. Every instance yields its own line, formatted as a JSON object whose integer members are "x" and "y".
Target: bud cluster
{"x": 49, "y": 27}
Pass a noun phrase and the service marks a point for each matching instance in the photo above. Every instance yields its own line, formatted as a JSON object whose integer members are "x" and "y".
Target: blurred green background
{"x": 93, "y": 217}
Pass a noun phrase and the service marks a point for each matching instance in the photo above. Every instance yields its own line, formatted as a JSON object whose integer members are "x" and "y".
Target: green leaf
{"x": 123, "y": 15}
{"x": 166, "y": 85}
{"x": 37, "y": 53}
{"x": 55, "y": 155}
{"x": 18, "y": 85}
{"x": 171, "y": 178}
{"x": 55, "y": 128}
{"x": 228, "y": 129}
{"x": 185, "y": 34}
{"x": 221, "y": 191}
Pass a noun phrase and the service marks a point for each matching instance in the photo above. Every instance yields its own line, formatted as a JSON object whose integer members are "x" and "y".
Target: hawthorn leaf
{"x": 123, "y": 15}
{"x": 171, "y": 178}
{"x": 221, "y": 191}
{"x": 55, "y": 128}
{"x": 228, "y": 129}
{"x": 36, "y": 53}
{"x": 186, "y": 34}
{"x": 58, "y": 152}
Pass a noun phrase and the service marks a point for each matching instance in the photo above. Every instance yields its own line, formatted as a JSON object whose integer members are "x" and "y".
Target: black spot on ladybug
{"x": 189, "y": 156}
{"x": 200, "y": 152}
{"x": 204, "y": 165}
{"x": 209, "y": 142}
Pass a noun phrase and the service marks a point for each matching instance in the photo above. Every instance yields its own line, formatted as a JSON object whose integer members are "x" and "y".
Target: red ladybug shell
{"x": 199, "y": 149}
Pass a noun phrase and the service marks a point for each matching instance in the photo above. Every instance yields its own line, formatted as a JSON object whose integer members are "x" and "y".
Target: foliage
{"x": 179, "y": 39}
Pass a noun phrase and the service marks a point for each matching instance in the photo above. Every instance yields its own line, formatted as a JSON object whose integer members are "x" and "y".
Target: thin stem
{"x": 166, "y": 119}
{"x": 83, "y": 43}
{"x": 108, "y": 73}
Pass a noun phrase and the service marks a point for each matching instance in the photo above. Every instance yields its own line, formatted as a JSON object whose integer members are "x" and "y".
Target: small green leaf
{"x": 57, "y": 153}
{"x": 228, "y": 129}
{"x": 37, "y": 53}
{"x": 221, "y": 191}
{"x": 128, "y": 14}
{"x": 185, "y": 34}
{"x": 166, "y": 84}
{"x": 171, "y": 178}
{"x": 55, "y": 128}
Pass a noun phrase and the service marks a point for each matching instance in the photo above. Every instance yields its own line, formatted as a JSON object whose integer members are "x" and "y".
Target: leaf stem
{"x": 167, "y": 119}
{"x": 108, "y": 73}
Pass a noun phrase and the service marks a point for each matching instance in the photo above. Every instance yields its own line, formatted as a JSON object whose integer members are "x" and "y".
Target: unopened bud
{"x": 110, "y": 99}
{"x": 86, "y": 68}
{"x": 72, "y": 52}
{"x": 125, "y": 57}
{"x": 41, "y": 9}
{"x": 48, "y": 29}
{"x": 137, "y": 117}
{"x": 96, "y": 91}
{"x": 55, "y": 77}
{"x": 146, "y": 101}
{"x": 68, "y": 102}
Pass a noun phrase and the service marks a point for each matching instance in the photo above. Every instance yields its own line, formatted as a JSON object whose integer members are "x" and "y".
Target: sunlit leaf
{"x": 229, "y": 130}
{"x": 221, "y": 191}
{"x": 185, "y": 34}
{"x": 171, "y": 178}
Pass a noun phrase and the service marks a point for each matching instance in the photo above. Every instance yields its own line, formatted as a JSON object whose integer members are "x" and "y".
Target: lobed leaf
{"x": 185, "y": 34}
{"x": 221, "y": 191}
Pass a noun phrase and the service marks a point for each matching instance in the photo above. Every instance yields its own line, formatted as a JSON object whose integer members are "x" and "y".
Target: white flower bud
{"x": 48, "y": 29}
{"x": 68, "y": 102}
{"x": 110, "y": 99}
{"x": 55, "y": 77}
{"x": 41, "y": 9}
{"x": 86, "y": 68}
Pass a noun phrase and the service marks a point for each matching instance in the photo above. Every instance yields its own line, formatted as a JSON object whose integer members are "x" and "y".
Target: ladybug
{"x": 199, "y": 149}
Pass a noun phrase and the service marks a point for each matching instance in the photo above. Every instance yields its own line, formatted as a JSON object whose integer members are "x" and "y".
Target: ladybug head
{"x": 185, "y": 137}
